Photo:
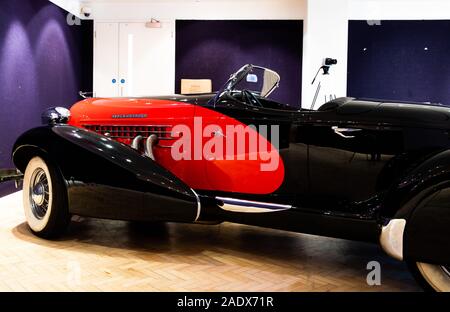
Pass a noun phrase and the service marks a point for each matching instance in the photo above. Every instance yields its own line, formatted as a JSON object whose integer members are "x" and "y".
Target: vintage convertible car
{"x": 369, "y": 170}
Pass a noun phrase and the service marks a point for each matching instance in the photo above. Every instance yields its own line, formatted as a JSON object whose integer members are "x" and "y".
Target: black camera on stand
{"x": 327, "y": 63}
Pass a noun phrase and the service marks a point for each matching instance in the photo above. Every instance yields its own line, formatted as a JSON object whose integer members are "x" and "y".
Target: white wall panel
{"x": 106, "y": 59}
{"x": 146, "y": 59}
{"x": 191, "y": 9}
{"x": 325, "y": 35}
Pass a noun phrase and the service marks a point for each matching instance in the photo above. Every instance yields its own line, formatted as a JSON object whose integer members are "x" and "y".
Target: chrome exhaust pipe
{"x": 136, "y": 141}
{"x": 151, "y": 141}
{"x": 149, "y": 144}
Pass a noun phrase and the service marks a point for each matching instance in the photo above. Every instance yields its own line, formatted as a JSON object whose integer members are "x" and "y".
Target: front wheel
{"x": 45, "y": 199}
{"x": 432, "y": 277}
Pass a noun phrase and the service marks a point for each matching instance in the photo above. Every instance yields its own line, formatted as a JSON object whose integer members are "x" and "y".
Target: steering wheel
{"x": 249, "y": 97}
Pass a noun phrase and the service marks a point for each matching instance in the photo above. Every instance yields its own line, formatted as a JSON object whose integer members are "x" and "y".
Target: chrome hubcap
{"x": 446, "y": 270}
{"x": 39, "y": 193}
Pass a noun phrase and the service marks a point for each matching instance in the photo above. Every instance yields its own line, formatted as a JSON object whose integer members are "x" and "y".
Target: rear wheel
{"x": 45, "y": 199}
{"x": 432, "y": 277}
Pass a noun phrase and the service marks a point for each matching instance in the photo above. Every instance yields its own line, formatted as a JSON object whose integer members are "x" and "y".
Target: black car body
{"x": 358, "y": 169}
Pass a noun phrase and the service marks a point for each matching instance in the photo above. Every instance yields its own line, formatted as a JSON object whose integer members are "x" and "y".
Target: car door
{"x": 348, "y": 160}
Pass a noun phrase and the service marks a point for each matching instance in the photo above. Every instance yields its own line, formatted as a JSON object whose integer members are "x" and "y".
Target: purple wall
{"x": 43, "y": 62}
{"x": 215, "y": 49}
{"x": 400, "y": 60}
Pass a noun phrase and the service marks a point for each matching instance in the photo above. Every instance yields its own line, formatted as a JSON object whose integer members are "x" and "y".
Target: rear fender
{"x": 430, "y": 172}
{"x": 422, "y": 198}
{"x": 427, "y": 231}
{"x": 108, "y": 179}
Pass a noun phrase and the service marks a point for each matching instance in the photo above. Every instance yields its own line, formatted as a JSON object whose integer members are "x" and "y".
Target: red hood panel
{"x": 126, "y": 111}
{"x": 125, "y": 119}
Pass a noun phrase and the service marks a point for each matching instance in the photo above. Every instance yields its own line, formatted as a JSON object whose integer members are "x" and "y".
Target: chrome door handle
{"x": 341, "y": 131}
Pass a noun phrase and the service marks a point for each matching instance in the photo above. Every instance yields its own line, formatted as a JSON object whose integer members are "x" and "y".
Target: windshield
{"x": 256, "y": 79}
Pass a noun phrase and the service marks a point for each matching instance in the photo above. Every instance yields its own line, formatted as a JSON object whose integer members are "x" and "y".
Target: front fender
{"x": 108, "y": 179}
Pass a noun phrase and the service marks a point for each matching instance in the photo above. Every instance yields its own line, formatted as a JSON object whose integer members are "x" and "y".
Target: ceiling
{"x": 151, "y": 1}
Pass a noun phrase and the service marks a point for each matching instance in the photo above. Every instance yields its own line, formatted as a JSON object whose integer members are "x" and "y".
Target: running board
{"x": 248, "y": 206}
{"x": 11, "y": 175}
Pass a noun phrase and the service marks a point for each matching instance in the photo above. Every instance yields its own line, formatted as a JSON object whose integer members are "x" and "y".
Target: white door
{"x": 146, "y": 59}
{"x": 106, "y": 60}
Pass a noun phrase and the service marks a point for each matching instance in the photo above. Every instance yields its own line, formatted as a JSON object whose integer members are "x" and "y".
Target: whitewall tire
{"x": 45, "y": 198}
{"x": 433, "y": 277}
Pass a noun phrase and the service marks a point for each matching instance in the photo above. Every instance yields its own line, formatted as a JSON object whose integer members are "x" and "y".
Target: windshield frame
{"x": 239, "y": 75}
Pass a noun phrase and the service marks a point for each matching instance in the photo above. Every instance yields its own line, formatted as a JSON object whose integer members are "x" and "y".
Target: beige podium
{"x": 196, "y": 86}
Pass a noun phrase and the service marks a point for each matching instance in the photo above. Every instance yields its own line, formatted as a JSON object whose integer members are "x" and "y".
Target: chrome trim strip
{"x": 104, "y": 125}
{"x": 446, "y": 270}
{"x": 130, "y": 137}
{"x": 199, "y": 206}
{"x": 391, "y": 238}
{"x": 248, "y": 206}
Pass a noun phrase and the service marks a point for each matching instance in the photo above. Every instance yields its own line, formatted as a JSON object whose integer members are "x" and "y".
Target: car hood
{"x": 137, "y": 109}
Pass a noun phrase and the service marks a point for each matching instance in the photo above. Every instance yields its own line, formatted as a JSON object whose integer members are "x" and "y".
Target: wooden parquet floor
{"x": 102, "y": 255}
